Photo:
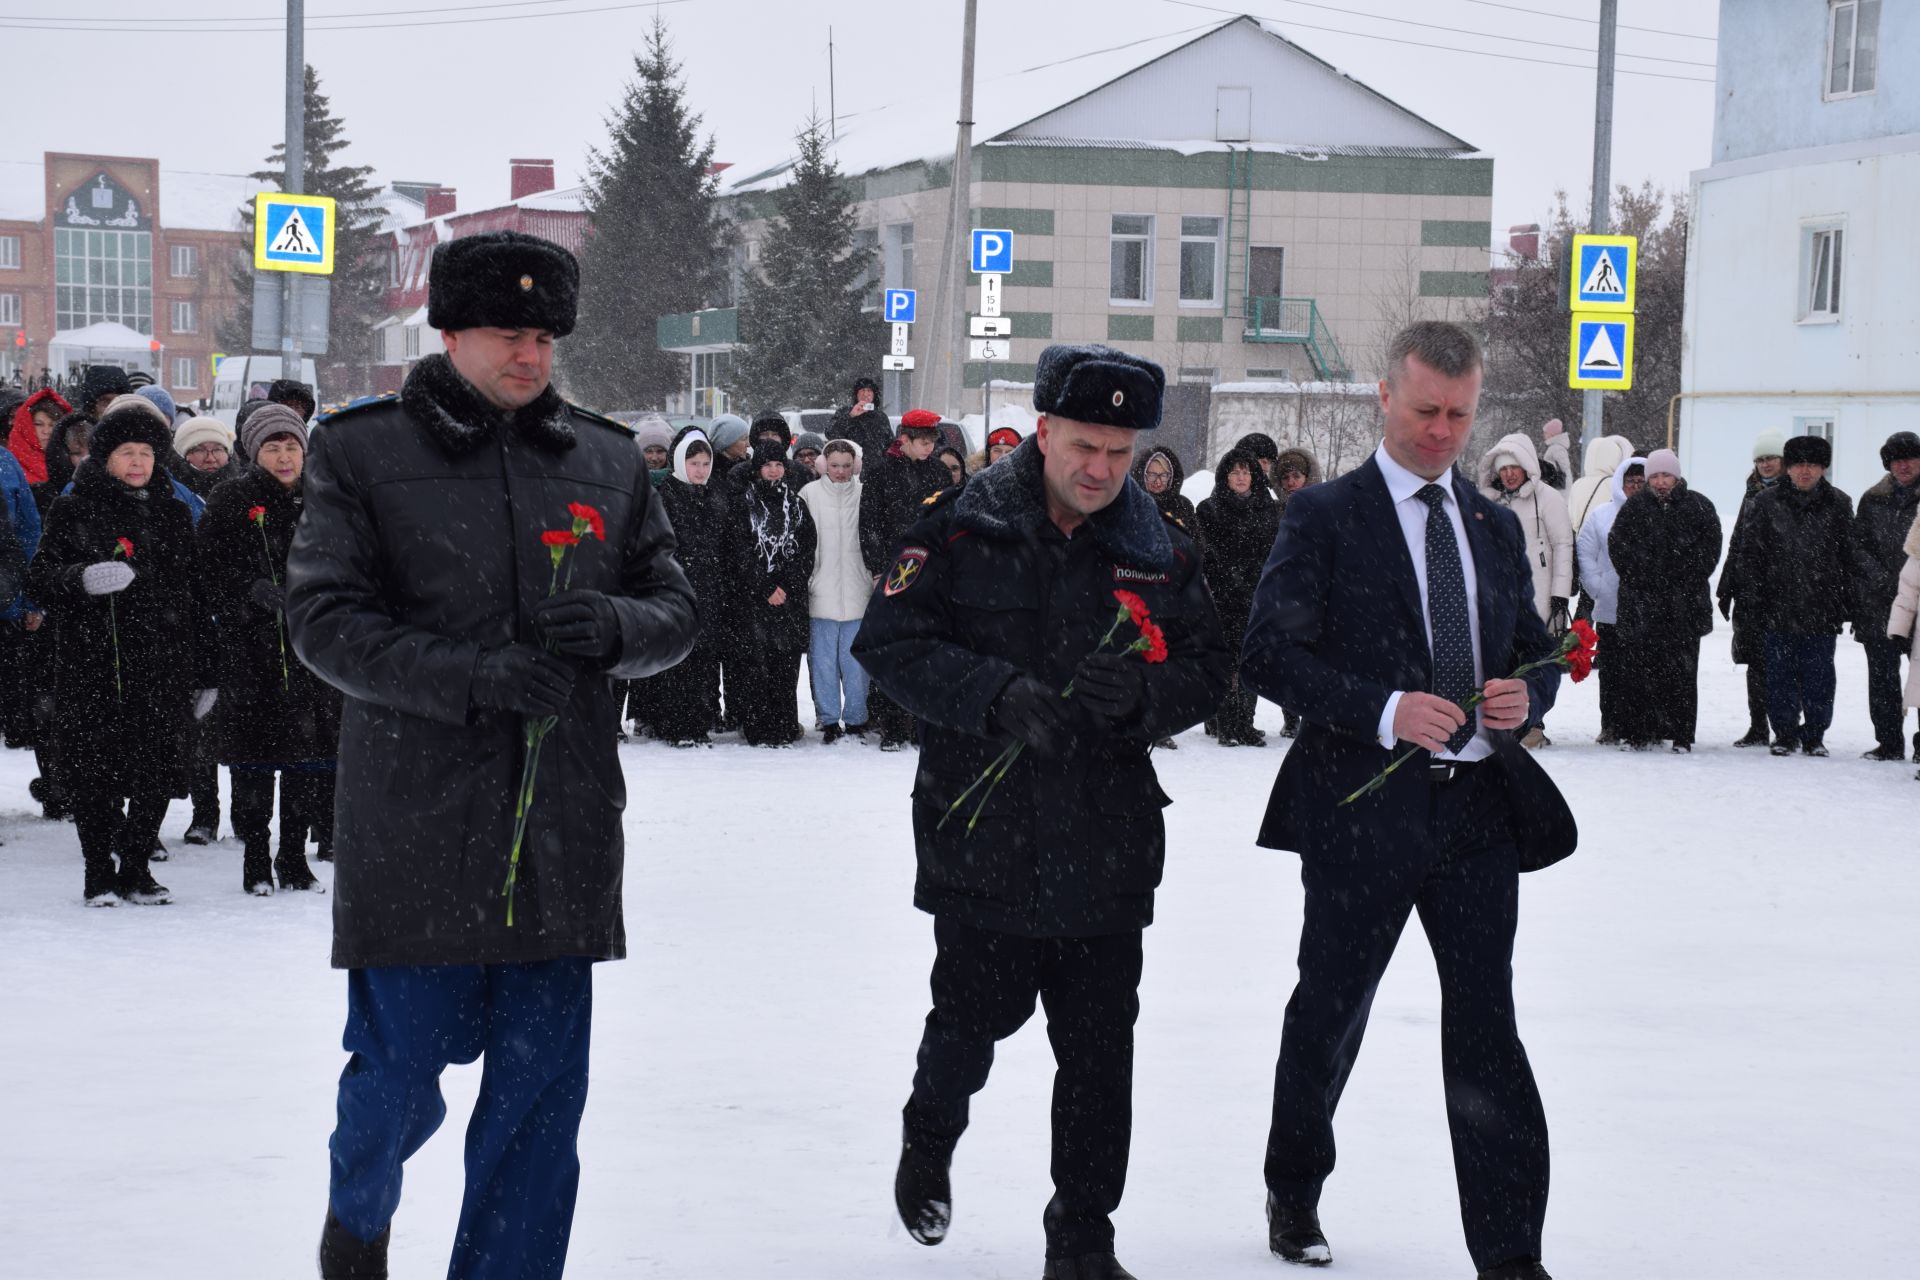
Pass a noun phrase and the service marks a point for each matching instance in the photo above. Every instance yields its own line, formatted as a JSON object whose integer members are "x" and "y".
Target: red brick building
{"x": 115, "y": 249}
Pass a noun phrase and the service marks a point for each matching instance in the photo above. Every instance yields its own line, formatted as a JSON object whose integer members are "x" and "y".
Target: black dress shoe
{"x": 1517, "y": 1269}
{"x": 923, "y": 1194}
{"x": 1086, "y": 1266}
{"x": 1294, "y": 1235}
{"x": 1885, "y": 753}
{"x": 345, "y": 1256}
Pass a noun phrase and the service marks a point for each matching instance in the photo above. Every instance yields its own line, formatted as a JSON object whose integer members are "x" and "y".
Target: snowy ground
{"x": 1718, "y": 993}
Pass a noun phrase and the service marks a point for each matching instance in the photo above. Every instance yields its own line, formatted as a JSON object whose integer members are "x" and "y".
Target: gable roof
{"x": 1119, "y": 97}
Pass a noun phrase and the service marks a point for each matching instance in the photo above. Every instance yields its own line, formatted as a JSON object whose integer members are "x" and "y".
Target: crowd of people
{"x": 135, "y": 674}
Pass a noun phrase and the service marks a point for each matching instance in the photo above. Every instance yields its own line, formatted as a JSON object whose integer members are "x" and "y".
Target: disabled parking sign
{"x": 293, "y": 233}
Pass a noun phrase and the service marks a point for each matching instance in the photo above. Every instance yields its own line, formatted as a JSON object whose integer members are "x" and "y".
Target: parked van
{"x": 243, "y": 378}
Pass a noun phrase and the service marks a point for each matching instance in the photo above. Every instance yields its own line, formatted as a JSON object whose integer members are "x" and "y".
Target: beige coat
{"x": 1543, "y": 518}
{"x": 1905, "y": 606}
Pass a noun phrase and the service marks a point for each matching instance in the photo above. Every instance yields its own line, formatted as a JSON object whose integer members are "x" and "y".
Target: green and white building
{"x": 1224, "y": 203}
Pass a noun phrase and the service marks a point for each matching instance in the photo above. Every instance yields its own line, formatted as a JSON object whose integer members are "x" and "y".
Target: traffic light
{"x": 20, "y": 338}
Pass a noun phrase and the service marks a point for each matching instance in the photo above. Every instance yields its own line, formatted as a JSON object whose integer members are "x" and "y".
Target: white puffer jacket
{"x": 840, "y": 584}
{"x": 1906, "y": 605}
{"x": 1543, "y": 518}
{"x": 1591, "y": 491}
{"x": 1598, "y": 577}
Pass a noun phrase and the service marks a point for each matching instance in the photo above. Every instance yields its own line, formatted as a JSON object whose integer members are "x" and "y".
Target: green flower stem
{"x": 113, "y": 620}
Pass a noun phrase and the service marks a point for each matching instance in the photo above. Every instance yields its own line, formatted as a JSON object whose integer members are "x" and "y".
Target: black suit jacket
{"x": 1338, "y": 626}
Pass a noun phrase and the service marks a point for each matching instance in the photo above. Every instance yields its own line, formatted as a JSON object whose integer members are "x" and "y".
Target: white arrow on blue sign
{"x": 900, "y": 306}
{"x": 992, "y": 252}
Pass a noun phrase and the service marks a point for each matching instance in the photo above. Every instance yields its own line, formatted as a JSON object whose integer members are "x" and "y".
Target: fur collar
{"x": 1008, "y": 501}
{"x": 448, "y": 409}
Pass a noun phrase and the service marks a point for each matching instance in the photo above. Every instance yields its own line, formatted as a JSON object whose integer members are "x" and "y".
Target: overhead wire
{"x": 1569, "y": 17}
{"x": 315, "y": 24}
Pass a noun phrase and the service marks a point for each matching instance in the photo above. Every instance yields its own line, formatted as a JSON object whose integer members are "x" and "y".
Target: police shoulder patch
{"x": 330, "y": 413}
{"x": 600, "y": 418}
{"x": 906, "y": 570}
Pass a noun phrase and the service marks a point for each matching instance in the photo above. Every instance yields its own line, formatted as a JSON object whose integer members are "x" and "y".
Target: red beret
{"x": 923, "y": 419}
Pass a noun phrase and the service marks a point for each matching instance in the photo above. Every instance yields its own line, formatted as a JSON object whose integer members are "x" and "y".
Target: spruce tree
{"x": 359, "y": 279}
{"x": 659, "y": 243}
{"x": 805, "y": 333}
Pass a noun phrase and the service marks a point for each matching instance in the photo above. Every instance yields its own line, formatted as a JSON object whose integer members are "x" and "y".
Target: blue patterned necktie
{"x": 1447, "y": 612}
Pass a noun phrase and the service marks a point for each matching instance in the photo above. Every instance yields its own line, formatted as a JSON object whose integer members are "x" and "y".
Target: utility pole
{"x": 295, "y": 182}
{"x": 947, "y": 341}
{"x": 833, "y": 101}
{"x": 1593, "y": 409}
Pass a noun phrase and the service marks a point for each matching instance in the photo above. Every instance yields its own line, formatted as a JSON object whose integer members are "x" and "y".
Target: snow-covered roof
{"x": 189, "y": 200}
{"x": 564, "y": 200}
{"x": 888, "y": 135}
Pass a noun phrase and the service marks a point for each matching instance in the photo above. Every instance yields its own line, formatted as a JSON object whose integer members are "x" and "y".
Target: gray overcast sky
{"x": 451, "y": 102}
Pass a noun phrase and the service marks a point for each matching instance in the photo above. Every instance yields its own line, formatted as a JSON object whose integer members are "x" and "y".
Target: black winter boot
{"x": 1756, "y": 737}
{"x": 345, "y": 1256}
{"x": 1517, "y": 1269}
{"x": 256, "y": 867}
{"x": 102, "y": 884}
{"x": 1294, "y": 1235}
{"x": 138, "y": 886}
{"x": 923, "y": 1194}
{"x": 1087, "y": 1266}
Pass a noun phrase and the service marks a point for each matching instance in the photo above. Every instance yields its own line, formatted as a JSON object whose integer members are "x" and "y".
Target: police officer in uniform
{"x": 996, "y": 601}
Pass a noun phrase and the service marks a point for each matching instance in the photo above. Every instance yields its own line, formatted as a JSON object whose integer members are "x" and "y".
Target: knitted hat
{"x": 765, "y": 451}
{"x": 502, "y": 279}
{"x": 1663, "y": 462}
{"x": 160, "y": 399}
{"x": 1808, "y": 449}
{"x": 920, "y": 421}
{"x": 653, "y": 431}
{"x": 201, "y": 431}
{"x": 1554, "y": 427}
{"x": 268, "y": 422}
{"x": 1769, "y": 444}
{"x": 130, "y": 419}
{"x": 1900, "y": 446}
{"x": 100, "y": 380}
{"x": 726, "y": 431}
{"x": 809, "y": 440}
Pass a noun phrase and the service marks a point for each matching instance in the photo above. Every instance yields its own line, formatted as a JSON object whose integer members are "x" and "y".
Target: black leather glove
{"x": 1726, "y": 607}
{"x": 267, "y": 596}
{"x": 1111, "y": 688}
{"x": 579, "y": 623}
{"x": 521, "y": 678}
{"x": 1034, "y": 714}
{"x": 1557, "y": 620}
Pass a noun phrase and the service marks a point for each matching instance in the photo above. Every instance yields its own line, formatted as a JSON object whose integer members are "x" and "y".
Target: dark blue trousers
{"x": 404, "y": 1026}
{"x": 1464, "y": 879}
{"x": 1800, "y": 686}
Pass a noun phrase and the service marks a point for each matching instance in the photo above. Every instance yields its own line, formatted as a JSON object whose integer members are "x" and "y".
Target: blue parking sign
{"x": 900, "y": 305}
{"x": 992, "y": 252}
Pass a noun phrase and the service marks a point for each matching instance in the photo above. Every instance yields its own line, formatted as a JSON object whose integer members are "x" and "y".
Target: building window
{"x": 410, "y": 344}
{"x": 1200, "y": 259}
{"x": 184, "y": 261}
{"x": 1822, "y": 253}
{"x": 1130, "y": 276}
{"x": 1201, "y": 376}
{"x": 9, "y": 253}
{"x": 9, "y": 308}
{"x": 1814, "y": 424}
{"x": 185, "y": 374}
{"x": 1853, "y": 47}
{"x": 184, "y": 321}
{"x": 103, "y": 275}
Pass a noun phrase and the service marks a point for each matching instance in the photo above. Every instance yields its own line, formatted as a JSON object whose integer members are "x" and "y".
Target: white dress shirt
{"x": 1402, "y": 485}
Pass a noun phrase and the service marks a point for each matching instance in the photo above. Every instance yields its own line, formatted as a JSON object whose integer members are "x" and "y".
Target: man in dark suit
{"x": 1391, "y": 596}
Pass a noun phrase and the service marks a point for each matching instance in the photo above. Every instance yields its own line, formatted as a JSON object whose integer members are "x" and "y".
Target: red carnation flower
{"x": 560, "y": 538}
{"x": 595, "y": 522}
{"x": 126, "y": 547}
{"x": 1156, "y": 650}
{"x": 1137, "y": 611}
{"x": 257, "y": 514}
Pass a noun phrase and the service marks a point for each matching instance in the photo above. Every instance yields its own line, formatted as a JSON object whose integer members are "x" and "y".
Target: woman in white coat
{"x": 1906, "y": 605}
{"x": 1510, "y": 476}
{"x": 1601, "y": 581}
{"x": 837, "y": 593}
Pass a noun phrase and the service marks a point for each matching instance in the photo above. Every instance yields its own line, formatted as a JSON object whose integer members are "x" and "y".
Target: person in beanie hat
{"x": 896, "y": 487}
{"x": 207, "y": 447}
{"x": 995, "y": 600}
{"x": 1886, "y": 513}
{"x": 1795, "y": 581}
{"x": 159, "y": 399}
{"x": 805, "y": 456}
{"x": 1556, "y": 462}
{"x": 771, "y": 428}
{"x": 114, "y": 574}
{"x": 728, "y": 436}
{"x": 295, "y": 395}
{"x": 1663, "y": 546}
{"x": 273, "y": 715}
{"x": 654, "y": 435}
{"x": 1749, "y": 639}
{"x": 101, "y": 386}
{"x": 861, "y": 421}
{"x": 419, "y": 586}
{"x": 769, "y": 548}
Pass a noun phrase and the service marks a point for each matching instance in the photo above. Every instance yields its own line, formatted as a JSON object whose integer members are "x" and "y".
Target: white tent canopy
{"x": 103, "y": 343}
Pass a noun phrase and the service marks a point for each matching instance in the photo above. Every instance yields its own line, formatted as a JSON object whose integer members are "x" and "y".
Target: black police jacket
{"x": 419, "y": 551}
{"x": 984, "y": 588}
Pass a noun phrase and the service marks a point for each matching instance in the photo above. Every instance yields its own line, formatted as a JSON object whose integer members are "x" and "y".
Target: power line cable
{"x": 1593, "y": 22}
{"x": 312, "y": 25}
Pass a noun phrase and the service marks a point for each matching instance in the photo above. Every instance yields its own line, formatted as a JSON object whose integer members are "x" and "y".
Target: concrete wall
{"x": 1772, "y": 77}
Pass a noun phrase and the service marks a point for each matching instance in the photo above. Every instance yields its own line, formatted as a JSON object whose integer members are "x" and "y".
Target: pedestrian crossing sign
{"x": 1605, "y": 272}
{"x": 1601, "y": 352}
{"x": 293, "y": 233}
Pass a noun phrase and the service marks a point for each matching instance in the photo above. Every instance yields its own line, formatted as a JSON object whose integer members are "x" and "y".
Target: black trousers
{"x": 1661, "y": 700}
{"x": 895, "y": 722}
{"x": 203, "y": 775}
{"x": 770, "y": 705}
{"x": 1886, "y": 695}
{"x": 1464, "y": 881}
{"x": 984, "y": 984}
{"x": 111, "y": 824}
{"x": 1611, "y": 685}
{"x": 1757, "y": 694}
{"x": 689, "y": 701}
{"x": 306, "y": 807}
{"x": 1234, "y": 719}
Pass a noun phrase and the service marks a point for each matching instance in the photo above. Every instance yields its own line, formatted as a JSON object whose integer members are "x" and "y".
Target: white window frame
{"x": 1195, "y": 375}
{"x": 1219, "y": 242}
{"x": 183, "y": 316}
{"x": 10, "y": 310}
{"x": 9, "y": 253}
{"x": 410, "y": 342}
{"x": 183, "y": 255}
{"x": 1818, "y": 238}
{"x": 1146, "y": 260}
{"x": 1851, "y": 11}
{"x": 1814, "y": 424}
{"x": 191, "y": 382}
